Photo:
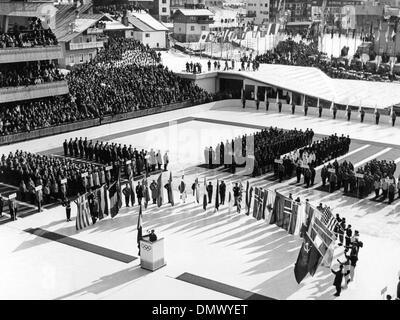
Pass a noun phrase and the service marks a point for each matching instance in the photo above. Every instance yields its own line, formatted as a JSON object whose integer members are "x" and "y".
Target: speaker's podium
{"x": 152, "y": 254}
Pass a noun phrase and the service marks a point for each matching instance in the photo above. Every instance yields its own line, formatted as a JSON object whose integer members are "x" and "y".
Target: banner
{"x": 83, "y": 216}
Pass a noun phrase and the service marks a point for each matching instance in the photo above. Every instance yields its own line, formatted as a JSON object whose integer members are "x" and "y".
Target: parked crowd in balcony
{"x": 289, "y": 52}
{"x": 28, "y": 73}
{"x": 97, "y": 91}
{"x": 32, "y": 36}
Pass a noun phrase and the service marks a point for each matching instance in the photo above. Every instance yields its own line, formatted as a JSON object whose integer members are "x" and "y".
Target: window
{"x": 191, "y": 28}
{"x": 71, "y": 59}
{"x": 164, "y": 1}
{"x": 90, "y": 56}
{"x": 131, "y": 33}
{"x": 164, "y": 10}
{"x": 81, "y": 58}
{"x": 147, "y": 35}
{"x": 203, "y": 28}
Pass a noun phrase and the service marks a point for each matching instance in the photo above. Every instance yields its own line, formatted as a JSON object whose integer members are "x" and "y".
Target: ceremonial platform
{"x": 211, "y": 254}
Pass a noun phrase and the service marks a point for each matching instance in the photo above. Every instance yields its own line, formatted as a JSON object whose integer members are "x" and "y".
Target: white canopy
{"x": 314, "y": 83}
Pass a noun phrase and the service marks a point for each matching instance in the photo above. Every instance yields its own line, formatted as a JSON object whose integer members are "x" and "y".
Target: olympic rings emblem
{"x": 146, "y": 247}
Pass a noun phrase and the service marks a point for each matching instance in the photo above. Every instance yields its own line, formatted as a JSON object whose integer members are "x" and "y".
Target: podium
{"x": 152, "y": 254}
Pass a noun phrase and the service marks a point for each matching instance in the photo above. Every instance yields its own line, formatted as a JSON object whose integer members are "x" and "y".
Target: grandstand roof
{"x": 314, "y": 83}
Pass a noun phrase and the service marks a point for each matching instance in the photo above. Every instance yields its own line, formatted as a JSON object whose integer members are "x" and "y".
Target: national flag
{"x": 263, "y": 205}
{"x": 83, "y": 216}
{"x": 170, "y": 192}
{"x": 331, "y": 108}
{"x": 101, "y": 196}
{"x": 217, "y": 196}
{"x": 257, "y": 192}
{"x": 277, "y": 97}
{"x": 239, "y": 200}
{"x": 315, "y": 257}
{"x": 113, "y": 193}
{"x": 270, "y": 206}
{"x": 287, "y": 213}
{"x": 250, "y": 197}
{"x": 328, "y": 219}
{"x": 160, "y": 197}
{"x": 205, "y": 195}
{"x": 301, "y": 265}
{"x": 293, "y": 218}
{"x": 139, "y": 227}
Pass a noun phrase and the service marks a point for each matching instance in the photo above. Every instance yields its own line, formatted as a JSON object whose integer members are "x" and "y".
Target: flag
{"x": 301, "y": 265}
{"x": 160, "y": 197}
{"x": 103, "y": 203}
{"x": 113, "y": 193}
{"x": 139, "y": 227}
{"x": 170, "y": 192}
{"x": 328, "y": 219}
{"x": 287, "y": 213}
{"x": 277, "y": 97}
{"x": 256, "y": 202}
{"x": 293, "y": 218}
{"x": 315, "y": 258}
{"x": 263, "y": 205}
{"x": 205, "y": 195}
{"x": 83, "y": 216}
{"x": 118, "y": 186}
{"x": 239, "y": 200}
{"x": 217, "y": 196}
{"x": 132, "y": 185}
{"x": 387, "y": 33}
{"x": 394, "y": 33}
{"x": 270, "y": 206}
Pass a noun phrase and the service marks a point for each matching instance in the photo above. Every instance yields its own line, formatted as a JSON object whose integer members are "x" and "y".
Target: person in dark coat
{"x": 305, "y": 110}
{"x": 139, "y": 193}
{"x": 298, "y": 173}
{"x": 393, "y": 118}
{"x": 209, "y": 191}
{"x": 266, "y": 104}
{"x": 348, "y": 236}
{"x": 293, "y": 107}
{"x": 222, "y": 192}
{"x": 257, "y": 103}
{"x": 65, "y": 146}
{"x": 127, "y": 194}
{"x": 12, "y": 206}
{"x": 377, "y": 116}
{"x": 154, "y": 191}
{"x": 280, "y": 106}
{"x": 313, "y": 173}
{"x": 338, "y": 280}
{"x": 320, "y": 111}
{"x": 348, "y": 113}
{"x": 67, "y": 204}
{"x": 362, "y": 113}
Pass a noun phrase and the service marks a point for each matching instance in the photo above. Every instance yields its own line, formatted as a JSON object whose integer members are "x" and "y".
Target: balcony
{"x": 17, "y": 54}
{"x": 85, "y": 45}
{"x": 205, "y": 21}
{"x": 12, "y": 94}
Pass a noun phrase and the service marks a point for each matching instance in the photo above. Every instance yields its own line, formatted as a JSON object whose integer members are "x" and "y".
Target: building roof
{"x": 116, "y": 25}
{"x": 145, "y": 22}
{"x": 195, "y": 12}
{"x": 314, "y": 83}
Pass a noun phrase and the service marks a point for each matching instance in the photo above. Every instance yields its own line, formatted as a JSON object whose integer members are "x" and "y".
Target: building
{"x": 145, "y": 29}
{"x": 190, "y": 23}
{"x": 258, "y": 11}
{"x": 18, "y": 15}
{"x": 80, "y": 33}
{"x": 161, "y": 10}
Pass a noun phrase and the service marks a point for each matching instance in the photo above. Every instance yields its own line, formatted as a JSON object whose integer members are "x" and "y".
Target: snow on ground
{"x": 226, "y": 247}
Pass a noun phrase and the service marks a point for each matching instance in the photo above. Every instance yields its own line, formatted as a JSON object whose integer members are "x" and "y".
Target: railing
{"x": 55, "y": 88}
{"x": 49, "y": 131}
{"x": 85, "y": 45}
{"x": 18, "y": 54}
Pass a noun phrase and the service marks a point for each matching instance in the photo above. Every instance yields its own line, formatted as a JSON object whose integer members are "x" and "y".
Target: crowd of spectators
{"x": 32, "y": 36}
{"x": 290, "y": 52}
{"x": 28, "y": 73}
{"x": 376, "y": 175}
{"x": 114, "y": 82}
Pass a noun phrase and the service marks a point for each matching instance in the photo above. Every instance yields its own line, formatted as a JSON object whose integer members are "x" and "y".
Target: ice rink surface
{"x": 226, "y": 247}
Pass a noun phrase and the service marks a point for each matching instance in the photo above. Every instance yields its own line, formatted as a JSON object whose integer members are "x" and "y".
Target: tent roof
{"x": 314, "y": 83}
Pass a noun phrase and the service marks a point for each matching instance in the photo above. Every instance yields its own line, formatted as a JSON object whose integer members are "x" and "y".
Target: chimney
{"x": 124, "y": 19}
